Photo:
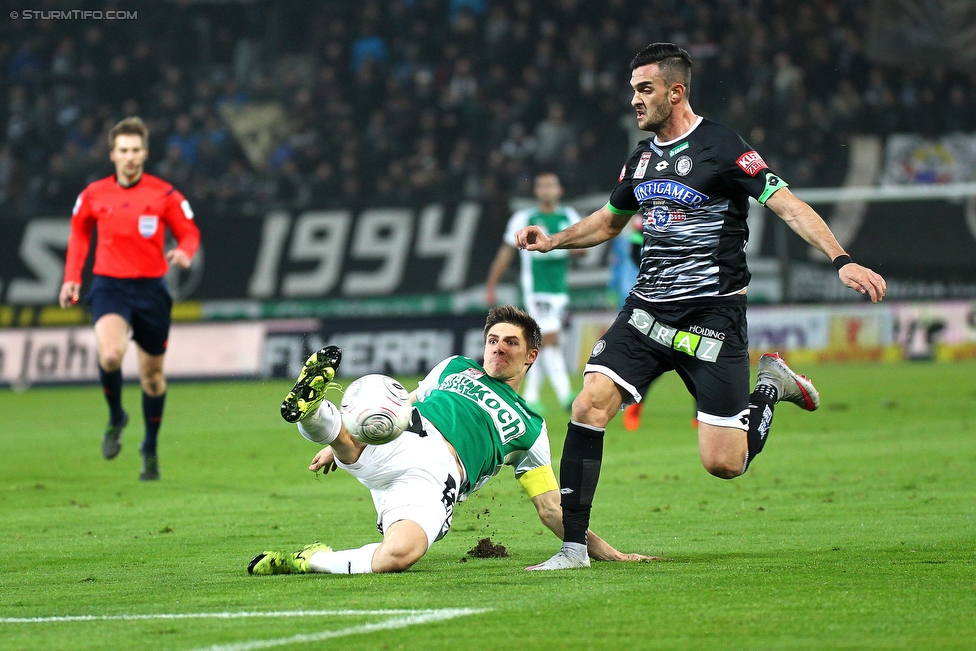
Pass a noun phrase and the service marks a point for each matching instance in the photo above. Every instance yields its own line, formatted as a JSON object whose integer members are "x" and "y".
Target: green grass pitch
{"x": 856, "y": 529}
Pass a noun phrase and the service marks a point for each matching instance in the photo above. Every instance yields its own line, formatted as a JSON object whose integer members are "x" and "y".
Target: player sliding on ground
{"x": 468, "y": 421}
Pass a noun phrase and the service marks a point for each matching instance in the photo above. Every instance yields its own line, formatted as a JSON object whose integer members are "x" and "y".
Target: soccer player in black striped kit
{"x": 687, "y": 312}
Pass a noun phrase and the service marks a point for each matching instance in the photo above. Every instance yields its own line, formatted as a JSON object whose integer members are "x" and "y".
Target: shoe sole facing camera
{"x": 797, "y": 388}
{"x": 313, "y": 381}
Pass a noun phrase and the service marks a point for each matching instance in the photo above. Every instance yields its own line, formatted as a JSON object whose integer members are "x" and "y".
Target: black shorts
{"x": 704, "y": 341}
{"x": 144, "y": 302}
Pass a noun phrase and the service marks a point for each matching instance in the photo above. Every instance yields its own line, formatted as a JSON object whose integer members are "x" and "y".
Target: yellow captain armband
{"x": 538, "y": 481}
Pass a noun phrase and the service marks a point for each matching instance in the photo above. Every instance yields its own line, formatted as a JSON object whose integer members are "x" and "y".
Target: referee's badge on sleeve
{"x": 148, "y": 224}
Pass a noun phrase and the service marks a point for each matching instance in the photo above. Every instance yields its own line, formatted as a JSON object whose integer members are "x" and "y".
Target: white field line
{"x": 397, "y": 622}
{"x": 458, "y": 612}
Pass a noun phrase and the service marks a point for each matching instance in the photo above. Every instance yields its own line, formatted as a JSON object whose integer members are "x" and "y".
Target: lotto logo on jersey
{"x": 751, "y": 162}
{"x": 623, "y": 173}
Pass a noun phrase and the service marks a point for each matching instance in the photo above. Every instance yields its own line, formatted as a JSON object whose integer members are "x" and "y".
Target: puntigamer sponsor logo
{"x": 669, "y": 190}
{"x": 507, "y": 421}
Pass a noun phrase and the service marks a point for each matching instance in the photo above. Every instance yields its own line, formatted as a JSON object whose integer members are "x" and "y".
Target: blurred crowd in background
{"x": 400, "y": 101}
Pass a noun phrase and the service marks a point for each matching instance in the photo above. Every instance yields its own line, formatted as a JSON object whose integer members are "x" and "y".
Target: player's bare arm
{"x": 345, "y": 448}
{"x": 805, "y": 221}
{"x": 498, "y": 266}
{"x": 551, "y": 515}
{"x": 598, "y": 227}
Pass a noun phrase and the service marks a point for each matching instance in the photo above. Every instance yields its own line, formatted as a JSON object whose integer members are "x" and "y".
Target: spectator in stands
{"x": 466, "y": 70}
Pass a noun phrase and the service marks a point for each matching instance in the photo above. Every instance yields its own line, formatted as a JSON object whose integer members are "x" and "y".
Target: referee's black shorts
{"x": 144, "y": 302}
{"x": 704, "y": 340}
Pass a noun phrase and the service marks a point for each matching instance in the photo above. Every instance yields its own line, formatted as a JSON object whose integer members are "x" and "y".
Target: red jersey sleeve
{"x": 82, "y": 223}
{"x": 179, "y": 220}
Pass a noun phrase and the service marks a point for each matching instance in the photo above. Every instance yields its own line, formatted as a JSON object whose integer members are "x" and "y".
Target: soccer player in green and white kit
{"x": 468, "y": 422}
{"x": 543, "y": 279}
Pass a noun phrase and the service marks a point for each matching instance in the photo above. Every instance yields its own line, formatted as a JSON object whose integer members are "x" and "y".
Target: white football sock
{"x": 323, "y": 425}
{"x": 555, "y": 365}
{"x": 344, "y": 561}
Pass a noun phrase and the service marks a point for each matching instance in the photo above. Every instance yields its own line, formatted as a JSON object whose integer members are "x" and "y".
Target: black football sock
{"x": 760, "y": 419}
{"x": 112, "y": 388}
{"x": 152, "y": 412}
{"x": 579, "y": 473}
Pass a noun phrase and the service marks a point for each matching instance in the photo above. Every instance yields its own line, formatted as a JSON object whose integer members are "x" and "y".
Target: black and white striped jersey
{"x": 694, "y": 193}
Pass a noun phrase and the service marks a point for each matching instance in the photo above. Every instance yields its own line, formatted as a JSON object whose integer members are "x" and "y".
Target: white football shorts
{"x": 548, "y": 310}
{"x": 412, "y": 478}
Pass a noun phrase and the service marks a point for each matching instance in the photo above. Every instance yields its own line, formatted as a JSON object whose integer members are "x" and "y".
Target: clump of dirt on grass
{"x": 487, "y": 549}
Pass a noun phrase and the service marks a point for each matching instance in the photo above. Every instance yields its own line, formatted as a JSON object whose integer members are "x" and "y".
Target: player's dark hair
{"x": 517, "y": 317}
{"x": 674, "y": 62}
{"x": 133, "y": 126}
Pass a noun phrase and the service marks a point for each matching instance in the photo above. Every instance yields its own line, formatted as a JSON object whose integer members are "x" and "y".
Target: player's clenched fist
{"x": 533, "y": 238}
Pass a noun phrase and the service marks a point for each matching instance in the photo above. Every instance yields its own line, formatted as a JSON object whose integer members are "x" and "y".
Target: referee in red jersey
{"x": 128, "y": 293}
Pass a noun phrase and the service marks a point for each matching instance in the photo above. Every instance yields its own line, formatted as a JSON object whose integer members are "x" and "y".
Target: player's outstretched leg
{"x": 314, "y": 380}
{"x": 112, "y": 441}
{"x": 285, "y": 562}
{"x": 790, "y": 386}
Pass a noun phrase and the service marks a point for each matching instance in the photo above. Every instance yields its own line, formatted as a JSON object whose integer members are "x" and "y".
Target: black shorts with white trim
{"x": 703, "y": 340}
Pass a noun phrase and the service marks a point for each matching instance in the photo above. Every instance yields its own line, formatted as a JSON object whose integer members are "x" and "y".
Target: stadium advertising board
{"x": 943, "y": 331}
{"x": 406, "y": 346}
{"x": 315, "y": 254}
{"x": 433, "y": 259}
{"x": 49, "y": 355}
{"x": 248, "y": 349}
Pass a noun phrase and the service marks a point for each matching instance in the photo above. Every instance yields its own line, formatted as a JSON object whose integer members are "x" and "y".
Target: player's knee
{"x": 110, "y": 358}
{"x": 154, "y": 384}
{"x": 723, "y": 468}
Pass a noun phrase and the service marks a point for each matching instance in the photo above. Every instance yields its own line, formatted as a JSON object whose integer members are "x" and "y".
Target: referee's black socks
{"x": 112, "y": 388}
{"x": 760, "y": 419}
{"x": 152, "y": 412}
{"x": 579, "y": 473}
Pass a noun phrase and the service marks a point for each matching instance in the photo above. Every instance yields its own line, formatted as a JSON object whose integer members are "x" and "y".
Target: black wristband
{"x": 841, "y": 260}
